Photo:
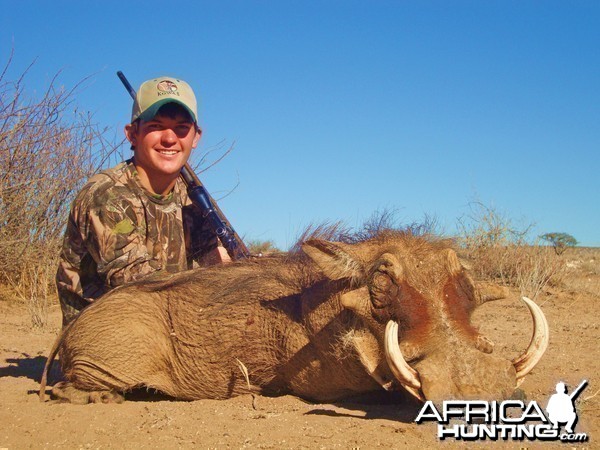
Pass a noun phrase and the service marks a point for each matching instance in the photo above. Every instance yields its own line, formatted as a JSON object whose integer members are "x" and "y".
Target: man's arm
{"x": 103, "y": 245}
{"x": 116, "y": 241}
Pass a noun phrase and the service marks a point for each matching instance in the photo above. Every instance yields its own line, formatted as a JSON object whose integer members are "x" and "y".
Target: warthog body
{"x": 311, "y": 326}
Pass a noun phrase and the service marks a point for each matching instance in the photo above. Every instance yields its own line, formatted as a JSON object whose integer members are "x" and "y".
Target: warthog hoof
{"x": 65, "y": 392}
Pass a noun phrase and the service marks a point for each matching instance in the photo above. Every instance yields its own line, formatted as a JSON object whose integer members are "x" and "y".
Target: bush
{"x": 501, "y": 253}
{"x": 560, "y": 241}
{"x": 262, "y": 248}
{"x": 46, "y": 153}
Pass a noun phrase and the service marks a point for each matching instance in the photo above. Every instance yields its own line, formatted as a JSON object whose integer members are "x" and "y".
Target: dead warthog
{"x": 393, "y": 310}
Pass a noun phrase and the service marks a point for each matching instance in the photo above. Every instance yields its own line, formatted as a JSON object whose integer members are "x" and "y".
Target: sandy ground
{"x": 378, "y": 421}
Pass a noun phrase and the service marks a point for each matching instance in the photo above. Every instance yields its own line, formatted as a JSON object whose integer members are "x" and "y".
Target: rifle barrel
{"x": 578, "y": 389}
{"x": 126, "y": 83}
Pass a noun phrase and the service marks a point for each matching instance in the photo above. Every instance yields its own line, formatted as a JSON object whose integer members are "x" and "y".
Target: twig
{"x": 591, "y": 396}
{"x": 247, "y": 377}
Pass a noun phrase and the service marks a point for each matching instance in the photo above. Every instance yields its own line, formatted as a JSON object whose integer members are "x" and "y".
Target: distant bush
{"x": 501, "y": 252}
{"x": 560, "y": 241}
{"x": 47, "y": 150}
{"x": 262, "y": 248}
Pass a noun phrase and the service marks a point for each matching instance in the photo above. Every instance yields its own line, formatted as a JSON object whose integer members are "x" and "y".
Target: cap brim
{"x": 151, "y": 111}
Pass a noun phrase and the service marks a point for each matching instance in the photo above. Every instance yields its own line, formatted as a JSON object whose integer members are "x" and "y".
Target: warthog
{"x": 338, "y": 320}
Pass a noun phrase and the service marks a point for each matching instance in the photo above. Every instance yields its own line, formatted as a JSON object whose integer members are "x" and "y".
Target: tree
{"x": 560, "y": 241}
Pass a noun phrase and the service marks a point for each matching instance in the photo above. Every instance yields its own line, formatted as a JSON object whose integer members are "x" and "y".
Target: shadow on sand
{"x": 29, "y": 367}
{"x": 396, "y": 406}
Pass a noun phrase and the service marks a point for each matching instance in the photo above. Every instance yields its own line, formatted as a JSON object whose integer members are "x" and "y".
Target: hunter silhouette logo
{"x": 561, "y": 406}
{"x": 472, "y": 420}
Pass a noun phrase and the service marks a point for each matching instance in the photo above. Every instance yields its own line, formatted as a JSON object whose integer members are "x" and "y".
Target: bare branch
{"x": 47, "y": 151}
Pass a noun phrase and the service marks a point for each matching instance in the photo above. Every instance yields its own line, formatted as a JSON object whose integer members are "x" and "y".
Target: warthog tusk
{"x": 539, "y": 342}
{"x": 406, "y": 375}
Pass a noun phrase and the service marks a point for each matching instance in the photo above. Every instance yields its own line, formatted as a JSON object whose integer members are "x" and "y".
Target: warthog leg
{"x": 66, "y": 392}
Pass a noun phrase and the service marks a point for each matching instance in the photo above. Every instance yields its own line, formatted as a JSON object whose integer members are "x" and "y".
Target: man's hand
{"x": 222, "y": 256}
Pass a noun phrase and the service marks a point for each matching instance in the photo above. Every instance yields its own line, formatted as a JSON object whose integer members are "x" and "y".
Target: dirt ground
{"x": 377, "y": 421}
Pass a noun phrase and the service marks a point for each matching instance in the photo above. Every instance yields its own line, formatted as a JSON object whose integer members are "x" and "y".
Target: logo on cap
{"x": 167, "y": 87}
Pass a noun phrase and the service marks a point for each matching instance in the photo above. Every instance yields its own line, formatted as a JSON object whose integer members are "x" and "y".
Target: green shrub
{"x": 560, "y": 241}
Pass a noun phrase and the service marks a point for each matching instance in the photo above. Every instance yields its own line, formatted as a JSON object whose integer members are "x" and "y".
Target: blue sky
{"x": 341, "y": 108}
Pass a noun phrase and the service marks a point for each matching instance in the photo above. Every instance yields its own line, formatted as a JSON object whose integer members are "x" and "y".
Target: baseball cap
{"x": 155, "y": 93}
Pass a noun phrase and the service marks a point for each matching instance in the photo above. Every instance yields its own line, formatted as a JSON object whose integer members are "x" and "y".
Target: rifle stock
{"x": 201, "y": 198}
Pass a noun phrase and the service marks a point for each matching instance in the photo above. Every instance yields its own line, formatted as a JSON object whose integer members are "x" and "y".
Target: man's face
{"x": 162, "y": 145}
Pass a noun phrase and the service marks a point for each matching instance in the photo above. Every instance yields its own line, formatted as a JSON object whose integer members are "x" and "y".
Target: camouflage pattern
{"x": 118, "y": 232}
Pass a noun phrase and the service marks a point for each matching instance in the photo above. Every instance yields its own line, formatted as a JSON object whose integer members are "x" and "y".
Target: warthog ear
{"x": 490, "y": 291}
{"x": 332, "y": 259}
{"x": 453, "y": 264}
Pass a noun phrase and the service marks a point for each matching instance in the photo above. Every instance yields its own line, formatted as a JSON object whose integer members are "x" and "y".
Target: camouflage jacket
{"x": 118, "y": 232}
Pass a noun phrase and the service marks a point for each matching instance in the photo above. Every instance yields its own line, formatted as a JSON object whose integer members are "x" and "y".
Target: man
{"x": 561, "y": 408}
{"x": 136, "y": 218}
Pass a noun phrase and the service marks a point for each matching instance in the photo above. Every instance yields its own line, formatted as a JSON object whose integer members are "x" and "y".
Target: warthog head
{"x": 415, "y": 299}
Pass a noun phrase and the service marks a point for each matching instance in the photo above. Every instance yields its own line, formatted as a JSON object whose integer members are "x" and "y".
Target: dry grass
{"x": 47, "y": 150}
{"x": 536, "y": 267}
{"x": 583, "y": 268}
{"x": 262, "y": 248}
{"x": 500, "y": 252}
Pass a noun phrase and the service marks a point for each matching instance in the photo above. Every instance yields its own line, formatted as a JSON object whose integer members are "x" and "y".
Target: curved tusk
{"x": 538, "y": 345}
{"x": 406, "y": 375}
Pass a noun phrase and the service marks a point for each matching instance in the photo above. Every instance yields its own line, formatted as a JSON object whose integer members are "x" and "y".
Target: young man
{"x": 136, "y": 218}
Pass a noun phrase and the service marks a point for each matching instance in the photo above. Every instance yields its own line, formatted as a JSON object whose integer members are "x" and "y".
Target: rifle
{"x": 201, "y": 198}
{"x": 578, "y": 389}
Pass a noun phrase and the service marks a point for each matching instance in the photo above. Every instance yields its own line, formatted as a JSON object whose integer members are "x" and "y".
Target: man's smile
{"x": 168, "y": 152}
